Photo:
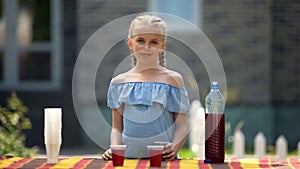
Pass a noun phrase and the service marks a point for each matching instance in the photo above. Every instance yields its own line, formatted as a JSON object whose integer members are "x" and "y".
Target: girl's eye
{"x": 140, "y": 40}
{"x": 154, "y": 42}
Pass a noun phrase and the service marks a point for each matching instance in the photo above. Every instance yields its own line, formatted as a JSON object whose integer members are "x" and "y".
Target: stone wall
{"x": 241, "y": 33}
{"x": 285, "y": 52}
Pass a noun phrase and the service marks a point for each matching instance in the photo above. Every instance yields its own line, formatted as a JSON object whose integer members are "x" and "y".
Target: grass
{"x": 185, "y": 152}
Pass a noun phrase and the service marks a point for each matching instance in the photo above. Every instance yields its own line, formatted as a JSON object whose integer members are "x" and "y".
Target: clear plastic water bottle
{"x": 214, "y": 125}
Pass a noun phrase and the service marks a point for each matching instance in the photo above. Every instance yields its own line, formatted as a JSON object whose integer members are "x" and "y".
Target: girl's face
{"x": 146, "y": 45}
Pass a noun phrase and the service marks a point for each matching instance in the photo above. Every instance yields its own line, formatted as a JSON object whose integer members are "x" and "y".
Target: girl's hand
{"x": 170, "y": 153}
{"x": 107, "y": 155}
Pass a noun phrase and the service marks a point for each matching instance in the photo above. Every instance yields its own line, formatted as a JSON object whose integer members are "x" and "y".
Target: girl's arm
{"x": 179, "y": 137}
{"x": 117, "y": 126}
{"x": 116, "y": 131}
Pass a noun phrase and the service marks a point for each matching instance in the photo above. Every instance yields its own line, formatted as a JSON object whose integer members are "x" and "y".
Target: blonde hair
{"x": 148, "y": 24}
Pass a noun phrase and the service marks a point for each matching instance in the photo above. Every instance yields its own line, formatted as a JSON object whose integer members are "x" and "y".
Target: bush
{"x": 12, "y": 124}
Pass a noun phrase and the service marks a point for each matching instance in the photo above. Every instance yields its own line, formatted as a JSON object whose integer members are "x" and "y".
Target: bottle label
{"x": 214, "y": 107}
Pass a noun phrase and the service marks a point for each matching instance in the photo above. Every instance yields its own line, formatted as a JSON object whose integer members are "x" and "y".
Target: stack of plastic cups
{"x": 52, "y": 133}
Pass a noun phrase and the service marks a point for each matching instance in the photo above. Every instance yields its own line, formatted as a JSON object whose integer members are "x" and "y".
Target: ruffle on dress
{"x": 173, "y": 99}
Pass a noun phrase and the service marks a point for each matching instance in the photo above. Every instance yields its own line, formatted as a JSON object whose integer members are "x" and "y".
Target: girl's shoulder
{"x": 123, "y": 77}
{"x": 174, "y": 78}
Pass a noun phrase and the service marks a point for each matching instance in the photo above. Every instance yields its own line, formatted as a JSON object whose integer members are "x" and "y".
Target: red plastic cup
{"x": 118, "y": 153}
{"x": 161, "y": 143}
{"x": 155, "y": 153}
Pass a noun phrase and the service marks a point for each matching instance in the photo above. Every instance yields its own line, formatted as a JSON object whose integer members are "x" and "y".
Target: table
{"x": 92, "y": 163}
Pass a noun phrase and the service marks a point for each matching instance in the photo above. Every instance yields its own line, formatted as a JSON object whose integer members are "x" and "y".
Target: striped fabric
{"x": 92, "y": 163}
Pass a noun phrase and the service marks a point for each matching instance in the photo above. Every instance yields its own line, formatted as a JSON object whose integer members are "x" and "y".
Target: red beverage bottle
{"x": 214, "y": 125}
{"x": 214, "y": 135}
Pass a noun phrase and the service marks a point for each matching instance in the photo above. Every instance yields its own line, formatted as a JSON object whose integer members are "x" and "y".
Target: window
{"x": 1, "y": 66}
{"x": 30, "y": 45}
{"x": 187, "y": 9}
{"x": 1, "y": 41}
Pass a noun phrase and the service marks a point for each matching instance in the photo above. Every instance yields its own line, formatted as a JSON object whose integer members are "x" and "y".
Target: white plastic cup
{"x": 52, "y": 133}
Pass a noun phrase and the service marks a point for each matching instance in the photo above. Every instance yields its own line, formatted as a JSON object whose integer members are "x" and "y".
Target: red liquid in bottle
{"x": 214, "y": 137}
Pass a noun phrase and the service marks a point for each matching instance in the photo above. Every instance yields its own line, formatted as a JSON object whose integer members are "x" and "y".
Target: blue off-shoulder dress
{"x": 148, "y": 112}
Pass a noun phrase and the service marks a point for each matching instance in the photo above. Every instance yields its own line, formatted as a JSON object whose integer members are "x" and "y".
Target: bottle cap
{"x": 214, "y": 85}
{"x": 207, "y": 161}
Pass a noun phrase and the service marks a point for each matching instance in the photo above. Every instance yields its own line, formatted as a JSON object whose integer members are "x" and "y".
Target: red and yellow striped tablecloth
{"x": 91, "y": 163}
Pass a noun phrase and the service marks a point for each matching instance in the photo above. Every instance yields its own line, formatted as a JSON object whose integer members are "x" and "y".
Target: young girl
{"x": 149, "y": 102}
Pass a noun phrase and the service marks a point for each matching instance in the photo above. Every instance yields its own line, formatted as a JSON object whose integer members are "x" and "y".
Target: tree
{"x": 12, "y": 123}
